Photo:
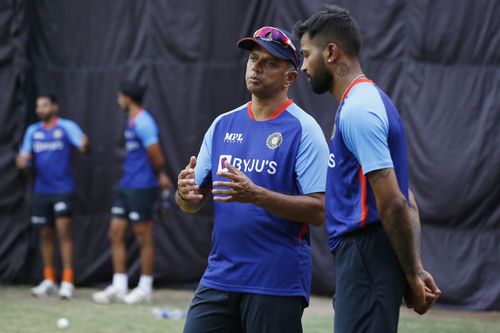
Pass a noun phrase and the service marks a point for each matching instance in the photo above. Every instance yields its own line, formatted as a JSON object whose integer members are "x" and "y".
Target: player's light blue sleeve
{"x": 75, "y": 133}
{"x": 203, "y": 169}
{"x": 146, "y": 130}
{"x": 27, "y": 145}
{"x": 311, "y": 163}
{"x": 365, "y": 131}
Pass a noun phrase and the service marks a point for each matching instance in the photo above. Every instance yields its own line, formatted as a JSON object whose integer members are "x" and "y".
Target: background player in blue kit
{"x": 371, "y": 217}
{"x": 48, "y": 144}
{"x": 136, "y": 193}
{"x": 266, "y": 162}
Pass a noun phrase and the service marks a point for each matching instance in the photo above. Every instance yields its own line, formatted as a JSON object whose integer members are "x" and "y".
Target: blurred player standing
{"x": 371, "y": 217}
{"x": 48, "y": 143}
{"x": 266, "y": 162}
{"x": 135, "y": 195}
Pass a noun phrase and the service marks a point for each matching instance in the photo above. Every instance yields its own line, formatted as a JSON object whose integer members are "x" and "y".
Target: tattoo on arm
{"x": 400, "y": 220}
{"x": 342, "y": 69}
{"x": 404, "y": 235}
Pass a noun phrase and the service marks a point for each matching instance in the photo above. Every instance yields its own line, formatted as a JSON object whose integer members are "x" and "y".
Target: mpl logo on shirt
{"x": 233, "y": 138}
{"x": 38, "y": 136}
{"x": 247, "y": 165}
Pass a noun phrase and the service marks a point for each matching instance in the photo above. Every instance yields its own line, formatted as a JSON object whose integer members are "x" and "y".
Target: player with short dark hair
{"x": 265, "y": 163}
{"x": 371, "y": 216}
{"x": 135, "y": 195}
{"x": 49, "y": 144}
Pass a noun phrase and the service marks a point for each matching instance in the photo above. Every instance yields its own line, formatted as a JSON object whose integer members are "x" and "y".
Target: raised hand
{"x": 186, "y": 186}
{"x": 239, "y": 188}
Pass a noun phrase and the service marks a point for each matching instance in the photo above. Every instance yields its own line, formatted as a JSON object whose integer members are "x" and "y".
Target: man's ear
{"x": 291, "y": 76}
{"x": 331, "y": 53}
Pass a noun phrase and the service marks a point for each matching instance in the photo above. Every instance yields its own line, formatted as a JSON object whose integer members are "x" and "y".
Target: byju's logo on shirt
{"x": 222, "y": 162}
{"x": 247, "y": 165}
{"x": 233, "y": 138}
{"x": 41, "y": 146}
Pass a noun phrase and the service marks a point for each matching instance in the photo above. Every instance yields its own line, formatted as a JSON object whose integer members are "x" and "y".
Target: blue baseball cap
{"x": 279, "y": 42}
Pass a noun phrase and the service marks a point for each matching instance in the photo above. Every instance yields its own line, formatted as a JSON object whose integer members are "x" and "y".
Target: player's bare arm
{"x": 189, "y": 196}
{"x": 432, "y": 291}
{"x": 403, "y": 232}
{"x": 158, "y": 161}
{"x": 300, "y": 208}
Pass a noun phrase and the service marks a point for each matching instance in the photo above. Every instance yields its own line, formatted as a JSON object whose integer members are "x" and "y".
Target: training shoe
{"x": 44, "y": 289}
{"x": 108, "y": 295}
{"x": 138, "y": 295}
{"x": 66, "y": 290}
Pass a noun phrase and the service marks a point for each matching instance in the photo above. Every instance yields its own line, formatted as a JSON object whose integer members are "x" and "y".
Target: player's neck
{"x": 263, "y": 109}
{"x": 50, "y": 122}
{"x": 343, "y": 79}
{"x": 134, "y": 110}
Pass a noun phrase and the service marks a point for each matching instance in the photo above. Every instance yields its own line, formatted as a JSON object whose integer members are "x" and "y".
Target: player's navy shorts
{"x": 47, "y": 207}
{"x": 135, "y": 205}
{"x": 231, "y": 312}
{"x": 370, "y": 283}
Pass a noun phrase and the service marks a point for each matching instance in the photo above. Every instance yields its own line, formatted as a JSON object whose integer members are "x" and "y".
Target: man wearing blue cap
{"x": 265, "y": 164}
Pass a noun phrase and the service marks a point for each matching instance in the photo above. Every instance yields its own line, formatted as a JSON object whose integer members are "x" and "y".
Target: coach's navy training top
{"x": 253, "y": 250}
{"x": 51, "y": 149}
{"x": 140, "y": 133}
{"x": 368, "y": 135}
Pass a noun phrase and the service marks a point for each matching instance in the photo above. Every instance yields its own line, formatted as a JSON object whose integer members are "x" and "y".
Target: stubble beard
{"x": 322, "y": 80}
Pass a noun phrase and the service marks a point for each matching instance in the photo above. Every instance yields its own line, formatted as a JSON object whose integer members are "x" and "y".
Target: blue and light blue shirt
{"x": 51, "y": 151}
{"x": 253, "y": 250}
{"x": 140, "y": 133}
{"x": 368, "y": 135}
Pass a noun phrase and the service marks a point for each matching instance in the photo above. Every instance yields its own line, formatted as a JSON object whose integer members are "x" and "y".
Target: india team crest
{"x": 57, "y": 134}
{"x": 274, "y": 140}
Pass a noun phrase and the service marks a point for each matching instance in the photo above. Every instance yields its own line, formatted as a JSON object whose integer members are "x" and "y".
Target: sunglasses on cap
{"x": 272, "y": 34}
